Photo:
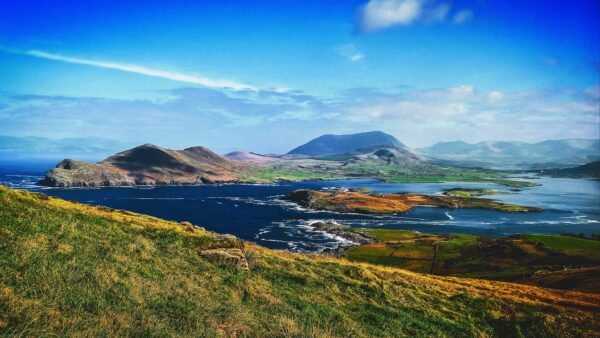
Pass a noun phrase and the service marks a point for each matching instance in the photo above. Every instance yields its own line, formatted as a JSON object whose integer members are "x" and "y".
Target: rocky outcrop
{"x": 230, "y": 256}
{"x": 343, "y": 232}
{"x": 225, "y": 250}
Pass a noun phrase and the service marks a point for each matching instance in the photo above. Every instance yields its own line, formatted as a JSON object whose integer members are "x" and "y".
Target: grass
{"x": 511, "y": 258}
{"x": 470, "y": 193}
{"x": 68, "y": 269}
{"x": 570, "y": 245}
{"x": 420, "y": 173}
{"x": 270, "y": 175}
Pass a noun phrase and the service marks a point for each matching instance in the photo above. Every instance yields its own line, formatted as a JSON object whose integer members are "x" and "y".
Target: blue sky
{"x": 267, "y": 76}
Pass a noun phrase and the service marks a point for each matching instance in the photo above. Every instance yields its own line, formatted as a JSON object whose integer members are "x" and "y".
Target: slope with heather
{"x": 69, "y": 269}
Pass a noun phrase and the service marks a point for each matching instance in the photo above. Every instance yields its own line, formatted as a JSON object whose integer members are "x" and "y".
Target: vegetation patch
{"x": 514, "y": 258}
{"x": 357, "y": 202}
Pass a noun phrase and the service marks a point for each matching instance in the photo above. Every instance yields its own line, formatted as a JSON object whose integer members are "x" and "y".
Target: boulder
{"x": 226, "y": 256}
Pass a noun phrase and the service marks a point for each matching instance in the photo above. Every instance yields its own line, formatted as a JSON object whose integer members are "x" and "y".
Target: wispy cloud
{"x": 215, "y": 117}
{"x": 377, "y": 15}
{"x": 463, "y": 16}
{"x": 351, "y": 53}
{"x": 136, "y": 69}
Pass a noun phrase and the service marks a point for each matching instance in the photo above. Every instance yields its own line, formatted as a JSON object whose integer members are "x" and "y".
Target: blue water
{"x": 255, "y": 212}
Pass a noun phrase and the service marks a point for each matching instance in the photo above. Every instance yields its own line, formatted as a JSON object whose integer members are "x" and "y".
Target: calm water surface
{"x": 255, "y": 213}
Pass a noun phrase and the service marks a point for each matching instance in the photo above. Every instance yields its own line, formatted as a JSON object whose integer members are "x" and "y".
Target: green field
{"x": 510, "y": 258}
{"x": 68, "y": 269}
{"x": 570, "y": 245}
{"x": 319, "y": 169}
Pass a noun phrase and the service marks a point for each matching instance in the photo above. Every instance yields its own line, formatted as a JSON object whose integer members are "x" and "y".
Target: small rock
{"x": 226, "y": 256}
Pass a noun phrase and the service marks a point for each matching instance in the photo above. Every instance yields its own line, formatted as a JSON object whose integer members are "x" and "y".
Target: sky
{"x": 266, "y": 76}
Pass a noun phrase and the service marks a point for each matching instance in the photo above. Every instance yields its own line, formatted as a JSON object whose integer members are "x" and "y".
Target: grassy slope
{"x": 70, "y": 269}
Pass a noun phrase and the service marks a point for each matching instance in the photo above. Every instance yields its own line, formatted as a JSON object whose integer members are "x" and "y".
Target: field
{"x": 511, "y": 258}
{"x": 69, "y": 269}
{"x": 338, "y": 168}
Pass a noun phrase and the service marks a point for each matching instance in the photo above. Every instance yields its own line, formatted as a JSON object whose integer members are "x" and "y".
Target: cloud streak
{"x": 136, "y": 69}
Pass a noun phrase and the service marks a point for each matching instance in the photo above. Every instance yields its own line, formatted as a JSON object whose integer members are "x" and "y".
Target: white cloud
{"x": 136, "y": 69}
{"x": 357, "y": 57}
{"x": 351, "y": 53}
{"x": 380, "y": 14}
{"x": 495, "y": 96}
{"x": 463, "y": 16}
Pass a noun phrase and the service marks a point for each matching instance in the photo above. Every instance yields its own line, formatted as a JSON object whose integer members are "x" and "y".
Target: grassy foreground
{"x": 70, "y": 269}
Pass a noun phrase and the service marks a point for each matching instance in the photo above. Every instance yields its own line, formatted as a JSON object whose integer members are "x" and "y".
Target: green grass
{"x": 269, "y": 175}
{"x": 508, "y": 258}
{"x": 385, "y": 234}
{"x": 469, "y": 193}
{"x": 67, "y": 269}
{"x": 569, "y": 245}
{"x": 421, "y": 173}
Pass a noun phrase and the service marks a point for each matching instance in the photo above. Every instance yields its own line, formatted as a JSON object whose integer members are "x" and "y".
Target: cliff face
{"x": 145, "y": 165}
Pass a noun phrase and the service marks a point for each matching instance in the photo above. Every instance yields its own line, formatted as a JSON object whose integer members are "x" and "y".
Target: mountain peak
{"x": 340, "y": 144}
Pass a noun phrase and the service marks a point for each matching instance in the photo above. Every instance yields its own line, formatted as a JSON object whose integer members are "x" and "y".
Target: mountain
{"x": 147, "y": 164}
{"x": 590, "y": 170}
{"x": 46, "y": 148}
{"x": 388, "y": 154}
{"x": 506, "y": 154}
{"x": 250, "y": 157}
{"x": 340, "y": 144}
{"x": 69, "y": 269}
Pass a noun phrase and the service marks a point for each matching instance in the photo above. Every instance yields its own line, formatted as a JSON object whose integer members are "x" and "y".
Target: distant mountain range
{"x": 12, "y": 147}
{"x": 562, "y": 153}
{"x": 341, "y": 144}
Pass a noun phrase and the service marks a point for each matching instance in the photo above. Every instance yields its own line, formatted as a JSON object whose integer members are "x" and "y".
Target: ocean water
{"x": 256, "y": 213}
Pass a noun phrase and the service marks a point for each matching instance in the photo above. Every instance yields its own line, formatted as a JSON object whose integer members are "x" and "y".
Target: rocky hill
{"x": 147, "y": 164}
{"x": 68, "y": 269}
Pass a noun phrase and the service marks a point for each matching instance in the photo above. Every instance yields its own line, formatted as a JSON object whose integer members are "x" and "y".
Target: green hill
{"x": 68, "y": 269}
{"x": 590, "y": 170}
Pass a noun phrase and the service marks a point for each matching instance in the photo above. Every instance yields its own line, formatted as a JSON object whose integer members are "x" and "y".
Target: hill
{"x": 590, "y": 170}
{"x": 250, "y": 157}
{"x": 504, "y": 154}
{"x": 340, "y": 144}
{"x": 69, "y": 269}
{"x": 145, "y": 165}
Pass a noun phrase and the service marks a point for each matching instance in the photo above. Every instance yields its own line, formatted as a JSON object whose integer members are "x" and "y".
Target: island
{"x": 357, "y": 202}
